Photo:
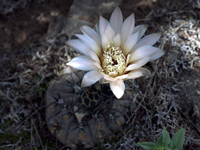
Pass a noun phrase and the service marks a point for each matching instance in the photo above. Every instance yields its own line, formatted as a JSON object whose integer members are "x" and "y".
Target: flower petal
{"x": 78, "y": 46}
{"x": 141, "y": 29}
{"x": 83, "y": 63}
{"x": 127, "y": 28}
{"x": 123, "y": 77}
{"x": 147, "y": 40}
{"x": 98, "y": 65}
{"x": 102, "y": 25}
{"x": 127, "y": 59}
{"x": 138, "y": 73}
{"x": 94, "y": 56}
{"x": 109, "y": 33}
{"x": 134, "y": 74}
{"x": 142, "y": 52}
{"x": 156, "y": 55}
{"x": 116, "y": 20}
{"x": 92, "y": 34}
{"x": 103, "y": 81}
{"x": 145, "y": 71}
{"x": 89, "y": 42}
{"x": 97, "y": 27}
{"x": 91, "y": 77}
{"x": 117, "y": 88}
{"x": 104, "y": 41}
{"x": 117, "y": 40}
{"x": 138, "y": 64}
{"x": 109, "y": 78}
{"x": 131, "y": 41}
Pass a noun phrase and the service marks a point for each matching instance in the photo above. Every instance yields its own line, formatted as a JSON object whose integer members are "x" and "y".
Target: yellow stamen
{"x": 113, "y": 60}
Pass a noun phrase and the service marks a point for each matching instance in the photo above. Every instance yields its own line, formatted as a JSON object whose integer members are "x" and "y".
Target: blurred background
{"x": 23, "y": 22}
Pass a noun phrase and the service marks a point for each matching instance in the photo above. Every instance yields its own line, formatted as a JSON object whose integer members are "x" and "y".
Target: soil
{"x": 189, "y": 97}
{"x": 25, "y": 26}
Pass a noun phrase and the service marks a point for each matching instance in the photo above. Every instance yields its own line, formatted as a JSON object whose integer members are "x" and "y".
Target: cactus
{"x": 74, "y": 124}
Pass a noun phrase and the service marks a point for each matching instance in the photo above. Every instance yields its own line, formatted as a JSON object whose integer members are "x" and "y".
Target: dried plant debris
{"x": 23, "y": 85}
{"x": 184, "y": 38}
{"x": 25, "y": 78}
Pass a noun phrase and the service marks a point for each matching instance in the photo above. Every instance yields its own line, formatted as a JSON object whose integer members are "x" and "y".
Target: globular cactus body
{"x": 72, "y": 121}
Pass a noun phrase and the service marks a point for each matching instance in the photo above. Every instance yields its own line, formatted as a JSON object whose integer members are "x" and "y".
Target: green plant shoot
{"x": 164, "y": 141}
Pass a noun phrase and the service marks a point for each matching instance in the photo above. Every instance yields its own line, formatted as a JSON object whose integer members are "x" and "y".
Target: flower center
{"x": 113, "y": 60}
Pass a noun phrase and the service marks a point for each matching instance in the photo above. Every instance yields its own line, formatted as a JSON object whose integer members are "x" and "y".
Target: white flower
{"x": 114, "y": 52}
